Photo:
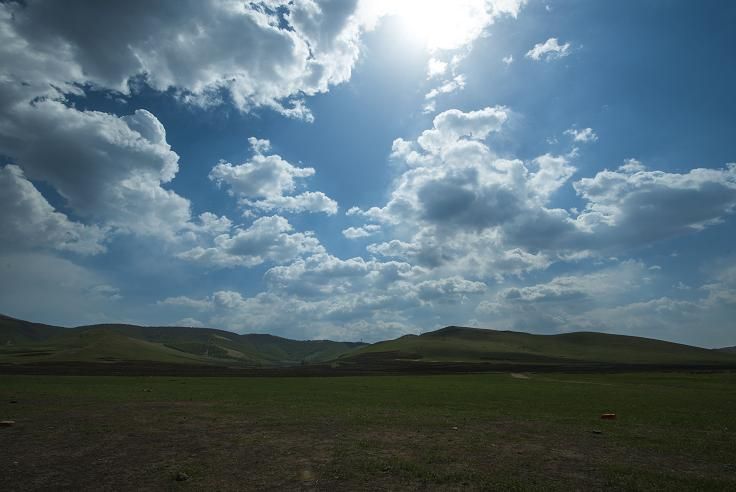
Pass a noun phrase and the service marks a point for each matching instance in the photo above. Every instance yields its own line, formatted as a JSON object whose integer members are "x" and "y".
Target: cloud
{"x": 562, "y": 302}
{"x": 209, "y": 224}
{"x": 552, "y": 172}
{"x": 267, "y": 240}
{"x": 452, "y": 125}
{"x": 310, "y": 201}
{"x": 477, "y": 255}
{"x": 620, "y": 298}
{"x": 108, "y": 169}
{"x": 455, "y": 202}
{"x": 361, "y": 232}
{"x": 608, "y": 282}
{"x": 459, "y": 216}
{"x": 435, "y": 68}
{"x": 189, "y": 322}
{"x": 104, "y": 291}
{"x": 112, "y": 171}
{"x": 293, "y": 50}
{"x": 508, "y": 60}
{"x": 28, "y": 221}
{"x": 259, "y": 145}
{"x": 325, "y": 275}
{"x": 447, "y": 289}
{"x": 261, "y": 176}
{"x": 703, "y": 321}
{"x": 549, "y": 50}
{"x": 632, "y": 206}
{"x": 263, "y": 181}
{"x": 187, "y": 302}
{"x": 44, "y": 288}
{"x": 321, "y": 295}
{"x": 459, "y": 208}
{"x": 348, "y": 317}
{"x": 455, "y": 84}
{"x": 583, "y": 135}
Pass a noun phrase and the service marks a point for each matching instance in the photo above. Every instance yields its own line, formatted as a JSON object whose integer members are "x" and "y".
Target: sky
{"x": 364, "y": 169}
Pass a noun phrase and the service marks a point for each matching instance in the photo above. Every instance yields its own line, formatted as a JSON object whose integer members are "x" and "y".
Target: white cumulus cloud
{"x": 361, "y": 232}
{"x": 549, "y": 50}
{"x": 269, "y": 239}
{"x": 582, "y": 135}
{"x": 264, "y": 181}
{"x": 458, "y": 207}
{"x": 28, "y": 221}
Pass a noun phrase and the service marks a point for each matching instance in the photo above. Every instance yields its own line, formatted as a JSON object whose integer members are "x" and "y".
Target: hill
{"x": 473, "y": 345}
{"x": 24, "y": 342}
{"x": 728, "y": 350}
{"x": 15, "y": 331}
{"x": 451, "y": 349}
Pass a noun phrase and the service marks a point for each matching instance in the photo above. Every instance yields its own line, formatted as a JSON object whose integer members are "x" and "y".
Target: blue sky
{"x": 365, "y": 169}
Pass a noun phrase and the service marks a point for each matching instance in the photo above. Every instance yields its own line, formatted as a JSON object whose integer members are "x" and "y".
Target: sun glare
{"x": 442, "y": 24}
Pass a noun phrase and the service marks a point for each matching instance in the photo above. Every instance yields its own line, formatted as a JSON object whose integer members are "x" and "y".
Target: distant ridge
{"x": 24, "y": 342}
{"x": 462, "y": 344}
{"x": 453, "y": 348}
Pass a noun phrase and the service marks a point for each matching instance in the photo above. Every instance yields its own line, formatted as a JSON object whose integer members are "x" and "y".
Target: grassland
{"x": 674, "y": 431}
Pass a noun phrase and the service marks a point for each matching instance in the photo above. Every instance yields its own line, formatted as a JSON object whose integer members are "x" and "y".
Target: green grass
{"x": 491, "y": 431}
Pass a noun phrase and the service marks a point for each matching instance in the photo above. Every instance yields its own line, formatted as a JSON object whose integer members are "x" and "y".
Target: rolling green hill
{"x": 457, "y": 344}
{"x": 24, "y": 342}
{"x": 15, "y": 331}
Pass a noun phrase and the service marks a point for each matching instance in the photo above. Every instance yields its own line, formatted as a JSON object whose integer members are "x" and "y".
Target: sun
{"x": 442, "y": 24}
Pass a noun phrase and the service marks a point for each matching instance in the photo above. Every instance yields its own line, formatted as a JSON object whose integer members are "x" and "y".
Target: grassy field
{"x": 489, "y": 431}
